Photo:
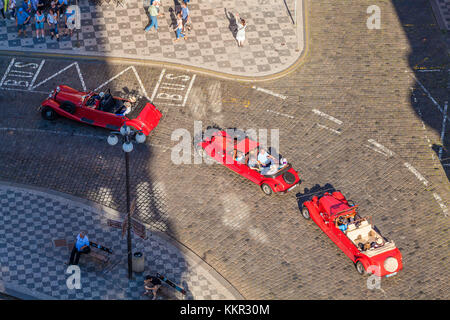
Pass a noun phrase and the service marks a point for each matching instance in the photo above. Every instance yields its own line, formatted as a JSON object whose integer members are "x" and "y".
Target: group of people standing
{"x": 39, "y": 12}
{"x": 183, "y": 18}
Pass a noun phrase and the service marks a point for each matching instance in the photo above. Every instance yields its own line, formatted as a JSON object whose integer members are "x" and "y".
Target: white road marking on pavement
{"x": 428, "y": 94}
{"x": 174, "y": 91}
{"x": 157, "y": 84}
{"x": 25, "y": 90}
{"x": 58, "y": 73}
{"x": 140, "y": 83}
{"x": 36, "y": 74}
{"x": 81, "y": 77}
{"x": 280, "y": 114}
{"x": 326, "y": 116}
{"x": 111, "y": 79}
{"x": 417, "y": 174}
{"x": 189, "y": 90}
{"x": 376, "y": 150}
{"x": 270, "y": 92}
{"x": 441, "y": 204}
{"x": 19, "y": 73}
{"x": 7, "y": 71}
{"x": 381, "y": 147}
{"x": 329, "y": 129}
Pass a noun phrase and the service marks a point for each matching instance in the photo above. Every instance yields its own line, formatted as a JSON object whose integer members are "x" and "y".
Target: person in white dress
{"x": 240, "y": 34}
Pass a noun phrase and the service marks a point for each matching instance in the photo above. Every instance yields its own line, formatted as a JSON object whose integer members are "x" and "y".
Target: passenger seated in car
{"x": 252, "y": 161}
{"x": 95, "y": 99}
{"x": 238, "y": 156}
{"x": 342, "y": 224}
{"x": 265, "y": 159}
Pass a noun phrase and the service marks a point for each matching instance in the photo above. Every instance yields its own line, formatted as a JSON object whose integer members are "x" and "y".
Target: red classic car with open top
{"x": 99, "y": 109}
{"x": 220, "y": 146}
{"x": 355, "y": 236}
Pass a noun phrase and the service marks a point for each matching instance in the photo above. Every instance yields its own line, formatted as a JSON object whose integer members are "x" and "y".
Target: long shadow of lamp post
{"x": 128, "y": 136}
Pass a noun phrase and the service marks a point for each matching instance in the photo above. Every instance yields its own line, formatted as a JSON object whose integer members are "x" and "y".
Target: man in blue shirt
{"x": 22, "y": 18}
{"x": 81, "y": 246}
{"x": 186, "y": 16}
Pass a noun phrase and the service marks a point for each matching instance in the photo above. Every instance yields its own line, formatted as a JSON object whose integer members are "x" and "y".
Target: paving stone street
{"x": 362, "y": 112}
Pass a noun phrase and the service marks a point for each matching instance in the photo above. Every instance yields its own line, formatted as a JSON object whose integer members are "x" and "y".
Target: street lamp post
{"x": 128, "y": 134}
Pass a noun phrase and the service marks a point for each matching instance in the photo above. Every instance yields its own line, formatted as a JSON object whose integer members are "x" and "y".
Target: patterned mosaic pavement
{"x": 29, "y": 260}
{"x": 118, "y": 31}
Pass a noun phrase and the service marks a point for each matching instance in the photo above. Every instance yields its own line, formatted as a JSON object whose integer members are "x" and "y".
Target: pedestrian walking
{"x": 22, "y": 18}
{"x": 54, "y": 7}
{"x": 12, "y": 9}
{"x": 62, "y": 6}
{"x": 69, "y": 19}
{"x": 39, "y": 19}
{"x": 240, "y": 34}
{"x": 26, "y": 5}
{"x": 41, "y": 5}
{"x": 2, "y": 8}
{"x": 34, "y": 5}
{"x": 186, "y": 17}
{"x": 153, "y": 12}
{"x": 179, "y": 28}
{"x": 158, "y": 5}
{"x": 52, "y": 20}
{"x": 81, "y": 246}
{"x": 151, "y": 285}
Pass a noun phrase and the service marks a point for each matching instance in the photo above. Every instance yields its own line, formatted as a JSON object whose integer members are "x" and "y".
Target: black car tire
{"x": 48, "y": 113}
{"x": 305, "y": 213}
{"x": 360, "y": 268}
{"x": 266, "y": 189}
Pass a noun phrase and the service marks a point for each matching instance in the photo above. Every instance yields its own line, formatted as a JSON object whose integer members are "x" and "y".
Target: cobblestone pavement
{"x": 354, "y": 118}
{"x": 118, "y": 31}
{"x": 30, "y": 260}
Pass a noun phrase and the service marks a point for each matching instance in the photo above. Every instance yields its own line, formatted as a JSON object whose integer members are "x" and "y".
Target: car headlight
{"x": 390, "y": 264}
{"x": 58, "y": 89}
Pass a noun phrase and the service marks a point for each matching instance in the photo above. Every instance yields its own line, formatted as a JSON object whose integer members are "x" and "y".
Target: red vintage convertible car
{"x": 355, "y": 236}
{"x": 99, "y": 109}
{"x": 222, "y": 147}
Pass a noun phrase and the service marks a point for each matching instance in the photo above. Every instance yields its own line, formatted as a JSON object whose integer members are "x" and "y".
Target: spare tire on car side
{"x": 68, "y": 107}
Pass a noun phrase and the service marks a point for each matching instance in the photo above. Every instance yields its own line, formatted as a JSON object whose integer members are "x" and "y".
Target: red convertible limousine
{"x": 99, "y": 109}
{"x": 355, "y": 236}
{"x": 237, "y": 154}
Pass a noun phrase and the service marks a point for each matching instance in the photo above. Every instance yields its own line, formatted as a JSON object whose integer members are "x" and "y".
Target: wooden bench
{"x": 95, "y": 256}
{"x": 99, "y": 258}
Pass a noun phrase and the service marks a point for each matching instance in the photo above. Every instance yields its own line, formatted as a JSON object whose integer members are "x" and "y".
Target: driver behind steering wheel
{"x": 95, "y": 99}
